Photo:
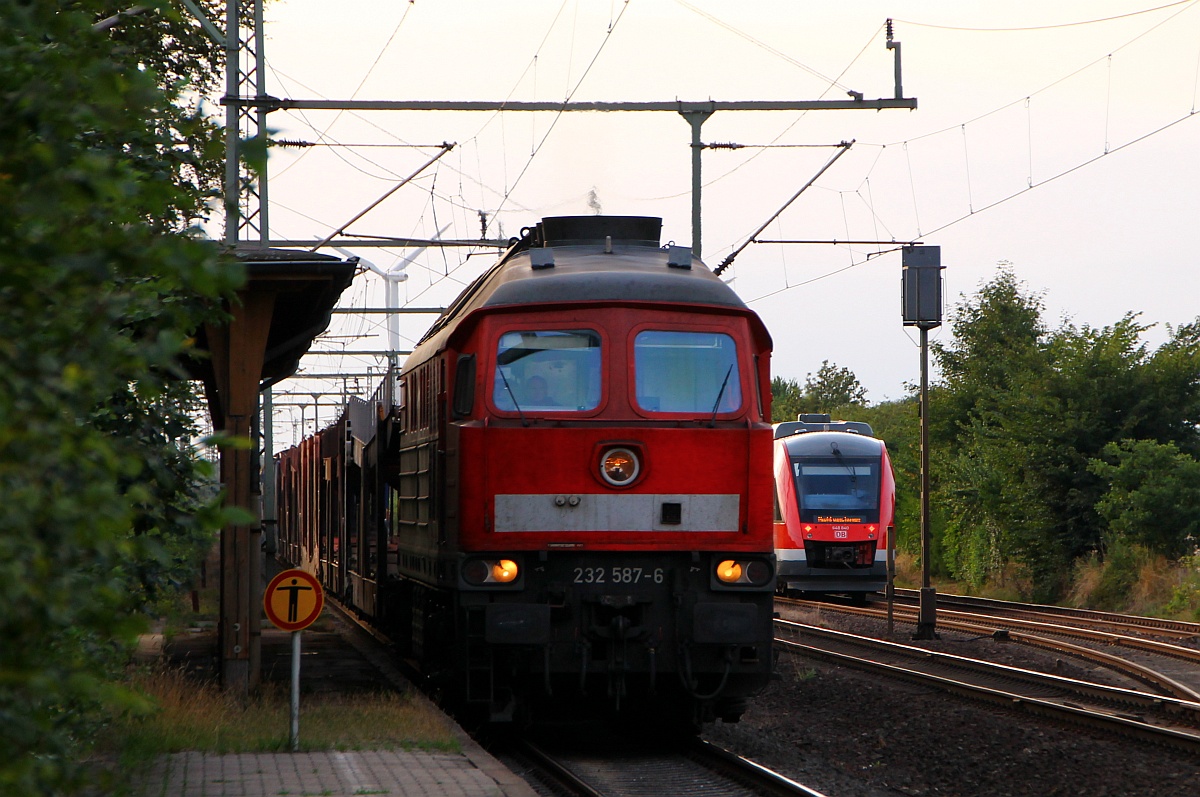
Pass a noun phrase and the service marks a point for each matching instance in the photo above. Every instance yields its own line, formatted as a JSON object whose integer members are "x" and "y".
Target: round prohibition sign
{"x": 293, "y": 600}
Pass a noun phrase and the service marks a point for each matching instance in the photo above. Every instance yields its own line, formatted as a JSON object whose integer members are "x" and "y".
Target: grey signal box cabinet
{"x": 921, "y": 286}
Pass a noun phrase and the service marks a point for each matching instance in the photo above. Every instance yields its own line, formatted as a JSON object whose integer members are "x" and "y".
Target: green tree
{"x": 997, "y": 345}
{"x": 995, "y": 352}
{"x": 787, "y": 399}
{"x": 1021, "y": 412}
{"x": 1167, "y": 405}
{"x": 101, "y": 281}
{"x": 1152, "y": 497}
{"x": 166, "y": 41}
{"x": 833, "y": 388}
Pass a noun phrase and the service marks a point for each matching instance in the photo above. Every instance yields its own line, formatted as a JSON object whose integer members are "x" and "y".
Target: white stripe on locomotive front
{"x": 615, "y": 512}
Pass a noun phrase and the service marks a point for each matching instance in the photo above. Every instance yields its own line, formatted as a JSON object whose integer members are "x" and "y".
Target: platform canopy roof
{"x": 294, "y": 291}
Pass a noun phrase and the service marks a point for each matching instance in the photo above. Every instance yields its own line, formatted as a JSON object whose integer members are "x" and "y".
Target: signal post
{"x": 921, "y": 298}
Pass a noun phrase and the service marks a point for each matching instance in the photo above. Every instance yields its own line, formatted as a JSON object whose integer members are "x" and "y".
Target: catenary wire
{"x": 1045, "y": 27}
{"x": 1030, "y": 181}
{"x": 1001, "y": 201}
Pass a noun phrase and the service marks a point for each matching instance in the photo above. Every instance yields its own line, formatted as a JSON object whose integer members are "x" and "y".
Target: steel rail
{"x": 757, "y": 776}
{"x": 557, "y": 770}
{"x": 1103, "y": 692}
{"x": 1119, "y": 722}
{"x": 1179, "y": 628}
{"x": 722, "y": 768}
{"x": 1123, "y": 640}
{"x": 1150, "y": 677}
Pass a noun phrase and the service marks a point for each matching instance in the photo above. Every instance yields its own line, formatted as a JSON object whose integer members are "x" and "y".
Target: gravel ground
{"x": 848, "y": 734}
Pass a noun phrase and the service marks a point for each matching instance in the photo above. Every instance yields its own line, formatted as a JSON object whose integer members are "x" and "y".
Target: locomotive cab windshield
{"x": 692, "y": 372}
{"x": 547, "y": 370}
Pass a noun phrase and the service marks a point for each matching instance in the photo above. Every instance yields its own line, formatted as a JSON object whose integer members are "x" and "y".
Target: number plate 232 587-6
{"x": 617, "y": 575}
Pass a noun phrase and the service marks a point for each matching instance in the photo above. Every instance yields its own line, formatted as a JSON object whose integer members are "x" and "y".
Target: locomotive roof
{"x": 589, "y": 259}
{"x": 817, "y": 444}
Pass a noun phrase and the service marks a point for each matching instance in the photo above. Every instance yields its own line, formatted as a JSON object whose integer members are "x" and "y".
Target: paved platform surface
{"x": 472, "y": 773}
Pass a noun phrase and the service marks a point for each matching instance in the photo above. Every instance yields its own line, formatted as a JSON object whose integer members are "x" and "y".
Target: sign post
{"x": 292, "y": 601}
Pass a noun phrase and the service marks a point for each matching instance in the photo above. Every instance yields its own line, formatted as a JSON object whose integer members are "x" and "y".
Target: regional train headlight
{"x": 481, "y": 572}
{"x": 619, "y": 466}
{"x": 744, "y": 572}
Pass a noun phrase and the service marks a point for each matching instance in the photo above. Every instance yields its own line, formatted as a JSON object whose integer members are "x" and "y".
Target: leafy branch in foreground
{"x": 102, "y": 282}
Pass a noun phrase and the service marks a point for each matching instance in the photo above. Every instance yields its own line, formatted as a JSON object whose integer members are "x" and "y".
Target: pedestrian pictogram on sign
{"x": 293, "y": 600}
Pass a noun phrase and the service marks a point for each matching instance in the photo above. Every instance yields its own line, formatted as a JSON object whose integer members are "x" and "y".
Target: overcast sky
{"x": 1053, "y": 136}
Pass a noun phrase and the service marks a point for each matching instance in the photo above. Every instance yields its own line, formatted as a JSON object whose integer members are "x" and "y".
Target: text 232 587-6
{"x": 619, "y": 575}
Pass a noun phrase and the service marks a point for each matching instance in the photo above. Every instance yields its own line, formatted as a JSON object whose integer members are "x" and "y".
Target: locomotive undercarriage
{"x": 660, "y": 642}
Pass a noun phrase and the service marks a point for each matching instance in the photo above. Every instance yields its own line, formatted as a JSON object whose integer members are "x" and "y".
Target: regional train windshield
{"x": 844, "y": 487}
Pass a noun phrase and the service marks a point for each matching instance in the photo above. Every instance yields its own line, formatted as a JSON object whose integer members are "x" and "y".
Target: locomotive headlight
{"x": 482, "y": 572}
{"x": 619, "y": 466}
{"x": 729, "y": 571}
{"x": 504, "y": 571}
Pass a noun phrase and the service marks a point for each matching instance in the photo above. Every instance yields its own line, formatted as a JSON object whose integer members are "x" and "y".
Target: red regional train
{"x": 561, "y": 503}
{"x": 835, "y": 503}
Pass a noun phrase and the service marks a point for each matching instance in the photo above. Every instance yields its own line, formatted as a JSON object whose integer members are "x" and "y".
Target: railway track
{"x": 648, "y": 770}
{"x": 1079, "y": 618}
{"x": 1168, "y": 668}
{"x": 1061, "y": 616}
{"x": 1157, "y": 718}
{"x": 657, "y": 768}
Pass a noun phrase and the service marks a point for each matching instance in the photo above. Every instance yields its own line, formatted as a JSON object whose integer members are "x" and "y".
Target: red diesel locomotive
{"x": 562, "y": 501}
{"x": 835, "y": 502}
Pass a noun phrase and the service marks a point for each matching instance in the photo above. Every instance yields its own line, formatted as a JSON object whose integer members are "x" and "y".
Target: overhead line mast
{"x": 696, "y": 113}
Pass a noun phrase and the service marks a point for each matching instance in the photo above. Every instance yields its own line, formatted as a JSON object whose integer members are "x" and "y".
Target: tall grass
{"x": 1131, "y": 579}
{"x": 1128, "y": 579}
{"x": 186, "y": 711}
{"x": 188, "y": 714}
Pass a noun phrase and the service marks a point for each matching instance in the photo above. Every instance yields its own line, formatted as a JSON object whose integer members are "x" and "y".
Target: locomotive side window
{"x": 695, "y": 372}
{"x": 838, "y": 486}
{"x": 547, "y": 371}
{"x": 464, "y": 386}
